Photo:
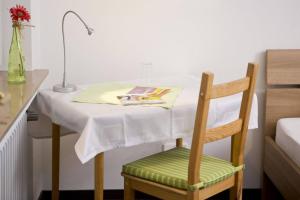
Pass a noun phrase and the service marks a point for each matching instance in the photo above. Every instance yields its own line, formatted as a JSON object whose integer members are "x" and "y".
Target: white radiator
{"x": 16, "y": 162}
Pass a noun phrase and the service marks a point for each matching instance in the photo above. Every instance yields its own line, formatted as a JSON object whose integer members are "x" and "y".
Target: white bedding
{"x": 288, "y": 137}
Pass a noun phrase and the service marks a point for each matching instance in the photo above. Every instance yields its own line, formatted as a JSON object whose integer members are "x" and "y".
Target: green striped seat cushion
{"x": 171, "y": 168}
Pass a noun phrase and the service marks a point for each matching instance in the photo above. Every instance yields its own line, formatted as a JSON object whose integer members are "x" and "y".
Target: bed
{"x": 281, "y": 171}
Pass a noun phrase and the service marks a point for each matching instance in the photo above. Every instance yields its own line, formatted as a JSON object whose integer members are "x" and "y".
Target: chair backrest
{"x": 237, "y": 129}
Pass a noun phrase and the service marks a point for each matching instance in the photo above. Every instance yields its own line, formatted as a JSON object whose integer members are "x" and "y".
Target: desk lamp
{"x": 64, "y": 87}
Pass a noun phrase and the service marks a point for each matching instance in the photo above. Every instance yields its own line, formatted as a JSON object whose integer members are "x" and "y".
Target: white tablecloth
{"x": 104, "y": 127}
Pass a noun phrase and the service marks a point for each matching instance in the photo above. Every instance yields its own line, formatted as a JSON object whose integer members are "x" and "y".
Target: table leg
{"x": 99, "y": 169}
{"x": 179, "y": 142}
{"x": 55, "y": 160}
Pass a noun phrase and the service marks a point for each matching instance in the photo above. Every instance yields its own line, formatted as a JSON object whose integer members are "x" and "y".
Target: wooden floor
{"x": 249, "y": 194}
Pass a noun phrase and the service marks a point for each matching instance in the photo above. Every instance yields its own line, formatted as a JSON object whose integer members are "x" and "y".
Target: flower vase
{"x": 16, "y": 68}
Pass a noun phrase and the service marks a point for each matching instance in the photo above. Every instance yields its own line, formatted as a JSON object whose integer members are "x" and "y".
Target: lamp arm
{"x": 64, "y": 45}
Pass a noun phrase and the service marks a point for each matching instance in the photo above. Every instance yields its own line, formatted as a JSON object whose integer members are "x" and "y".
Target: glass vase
{"x": 16, "y": 68}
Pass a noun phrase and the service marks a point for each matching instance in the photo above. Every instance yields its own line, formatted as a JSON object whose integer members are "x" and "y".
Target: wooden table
{"x": 99, "y": 167}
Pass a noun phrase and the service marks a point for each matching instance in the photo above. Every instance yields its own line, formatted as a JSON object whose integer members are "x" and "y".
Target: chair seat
{"x": 171, "y": 168}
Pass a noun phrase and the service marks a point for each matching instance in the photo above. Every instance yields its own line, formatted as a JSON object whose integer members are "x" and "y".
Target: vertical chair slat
{"x": 200, "y": 128}
{"x": 238, "y": 141}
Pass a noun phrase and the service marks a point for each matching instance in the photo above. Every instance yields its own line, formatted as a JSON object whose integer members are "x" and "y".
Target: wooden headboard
{"x": 283, "y": 93}
{"x": 283, "y": 67}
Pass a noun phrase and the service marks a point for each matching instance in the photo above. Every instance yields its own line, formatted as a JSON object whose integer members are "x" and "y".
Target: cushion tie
{"x": 195, "y": 186}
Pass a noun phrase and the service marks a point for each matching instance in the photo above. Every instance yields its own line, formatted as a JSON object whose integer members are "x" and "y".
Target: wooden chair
{"x": 176, "y": 174}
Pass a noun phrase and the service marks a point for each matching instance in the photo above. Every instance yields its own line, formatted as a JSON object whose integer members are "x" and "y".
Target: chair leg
{"x": 179, "y": 142}
{"x": 236, "y": 192}
{"x": 193, "y": 195}
{"x": 129, "y": 193}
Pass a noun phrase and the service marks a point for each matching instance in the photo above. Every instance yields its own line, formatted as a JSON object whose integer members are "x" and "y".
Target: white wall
{"x": 178, "y": 37}
{"x": 1, "y": 33}
{"x": 35, "y": 42}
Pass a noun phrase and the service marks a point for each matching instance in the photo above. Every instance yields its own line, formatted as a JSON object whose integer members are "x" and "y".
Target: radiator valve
{"x": 32, "y": 116}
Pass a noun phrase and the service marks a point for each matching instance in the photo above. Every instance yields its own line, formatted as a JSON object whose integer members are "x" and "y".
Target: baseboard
{"x": 89, "y": 195}
{"x": 248, "y": 194}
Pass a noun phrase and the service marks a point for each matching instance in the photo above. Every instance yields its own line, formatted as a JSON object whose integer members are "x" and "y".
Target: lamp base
{"x": 67, "y": 89}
